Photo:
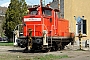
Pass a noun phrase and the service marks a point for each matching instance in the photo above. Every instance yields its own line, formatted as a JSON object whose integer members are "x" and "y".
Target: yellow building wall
{"x": 77, "y": 8}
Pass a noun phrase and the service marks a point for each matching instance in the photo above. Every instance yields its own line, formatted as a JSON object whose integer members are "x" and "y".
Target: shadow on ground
{"x": 15, "y": 50}
{"x": 23, "y": 51}
{"x": 30, "y": 51}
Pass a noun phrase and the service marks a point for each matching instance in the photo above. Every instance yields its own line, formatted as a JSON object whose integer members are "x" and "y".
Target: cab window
{"x": 48, "y": 12}
{"x": 34, "y": 12}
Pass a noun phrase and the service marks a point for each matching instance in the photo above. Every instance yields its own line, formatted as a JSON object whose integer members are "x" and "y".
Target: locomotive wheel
{"x": 25, "y": 51}
{"x": 22, "y": 46}
{"x": 32, "y": 51}
{"x": 57, "y": 47}
{"x": 47, "y": 50}
{"x": 62, "y": 47}
{"x": 54, "y": 47}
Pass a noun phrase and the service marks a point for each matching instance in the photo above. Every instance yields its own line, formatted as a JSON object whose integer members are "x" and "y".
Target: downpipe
{"x": 29, "y": 40}
{"x": 44, "y": 37}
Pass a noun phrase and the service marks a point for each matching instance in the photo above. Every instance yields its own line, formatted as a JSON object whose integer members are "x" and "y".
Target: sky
{"x": 6, "y": 2}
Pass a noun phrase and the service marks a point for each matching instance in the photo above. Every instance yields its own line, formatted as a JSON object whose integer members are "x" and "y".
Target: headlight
{"x": 38, "y": 41}
{"x": 18, "y": 40}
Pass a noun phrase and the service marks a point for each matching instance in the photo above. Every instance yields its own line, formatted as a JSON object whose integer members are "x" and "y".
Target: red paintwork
{"x": 54, "y": 25}
{"x": 63, "y": 27}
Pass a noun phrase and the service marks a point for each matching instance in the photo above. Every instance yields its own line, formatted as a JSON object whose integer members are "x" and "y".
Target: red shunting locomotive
{"x": 43, "y": 30}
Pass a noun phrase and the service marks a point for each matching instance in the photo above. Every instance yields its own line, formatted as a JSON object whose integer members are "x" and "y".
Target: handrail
{"x": 34, "y": 27}
{"x": 51, "y": 33}
{"x": 42, "y": 29}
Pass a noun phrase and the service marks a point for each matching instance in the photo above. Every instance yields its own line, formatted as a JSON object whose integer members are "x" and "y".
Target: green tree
{"x": 14, "y": 14}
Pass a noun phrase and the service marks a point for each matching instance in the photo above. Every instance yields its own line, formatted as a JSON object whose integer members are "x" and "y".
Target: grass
{"x": 20, "y": 57}
{"x": 6, "y": 44}
{"x": 50, "y": 57}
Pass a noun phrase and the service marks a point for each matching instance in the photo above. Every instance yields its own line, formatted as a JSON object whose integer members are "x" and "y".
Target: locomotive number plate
{"x": 32, "y": 19}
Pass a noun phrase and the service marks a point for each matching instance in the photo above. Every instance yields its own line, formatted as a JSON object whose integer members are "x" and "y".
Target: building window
{"x": 81, "y": 26}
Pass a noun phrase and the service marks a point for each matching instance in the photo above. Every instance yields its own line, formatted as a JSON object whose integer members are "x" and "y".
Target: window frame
{"x": 82, "y": 30}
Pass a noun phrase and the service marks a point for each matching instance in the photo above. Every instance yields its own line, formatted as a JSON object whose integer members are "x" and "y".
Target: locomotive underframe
{"x": 54, "y": 43}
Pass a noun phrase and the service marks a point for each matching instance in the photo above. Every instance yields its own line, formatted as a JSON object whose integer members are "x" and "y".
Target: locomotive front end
{"x": 36, "y": 39}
